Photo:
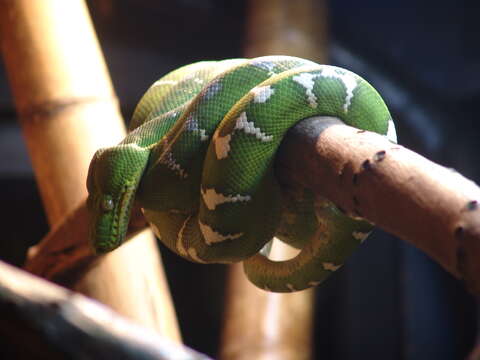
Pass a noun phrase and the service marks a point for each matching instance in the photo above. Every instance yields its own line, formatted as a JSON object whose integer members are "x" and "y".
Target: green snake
{"x": 199, "y": 158}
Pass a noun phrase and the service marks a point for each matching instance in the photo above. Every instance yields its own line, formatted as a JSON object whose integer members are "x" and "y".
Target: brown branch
{"x": 432, "y": 207}
{"x": 60, "y": 324}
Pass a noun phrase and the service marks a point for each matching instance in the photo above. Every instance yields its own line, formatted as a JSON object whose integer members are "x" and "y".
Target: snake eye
{"x": 107, "y": 204}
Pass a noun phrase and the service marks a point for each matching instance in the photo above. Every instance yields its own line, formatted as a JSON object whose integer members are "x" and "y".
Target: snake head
{"x": 113, "y": 179}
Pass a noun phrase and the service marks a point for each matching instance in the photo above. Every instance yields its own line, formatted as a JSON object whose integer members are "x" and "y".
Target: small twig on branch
{"x": 65, "y": 253}
{"x": 365, "y": 175}
{"x": 60, "y": 324}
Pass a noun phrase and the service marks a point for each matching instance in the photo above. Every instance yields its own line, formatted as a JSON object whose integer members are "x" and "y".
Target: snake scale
{"x": 199, "y": 157}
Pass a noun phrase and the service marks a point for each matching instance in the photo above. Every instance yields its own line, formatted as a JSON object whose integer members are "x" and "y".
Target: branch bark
{"x": 60, "y": 324}
{"x": 365, "y": 175}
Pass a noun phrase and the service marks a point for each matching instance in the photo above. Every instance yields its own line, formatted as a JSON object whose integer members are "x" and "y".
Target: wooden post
{"x": 263, "y": 325}
{"x": 67, "y": 109}
{"x": 258, "y": 324}
{"x": 285, "y": 27}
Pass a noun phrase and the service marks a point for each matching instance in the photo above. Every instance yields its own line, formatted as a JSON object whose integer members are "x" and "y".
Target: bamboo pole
{"x": 263, "y": 325}
{"x": 285, "y": 27}
{"x": 67, "y": 109}
{"x": 258, "y": 324}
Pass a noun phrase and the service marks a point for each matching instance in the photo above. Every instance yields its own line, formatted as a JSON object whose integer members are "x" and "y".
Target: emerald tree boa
{"x": 199, "y": 160}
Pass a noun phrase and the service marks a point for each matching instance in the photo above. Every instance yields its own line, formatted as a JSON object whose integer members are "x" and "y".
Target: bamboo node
{"x": 51, "y": 108}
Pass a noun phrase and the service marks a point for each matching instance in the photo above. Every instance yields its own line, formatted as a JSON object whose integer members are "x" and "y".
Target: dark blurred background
{"x": 390, "y": 301}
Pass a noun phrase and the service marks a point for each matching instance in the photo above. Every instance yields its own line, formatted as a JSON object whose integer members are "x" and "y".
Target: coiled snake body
{"x": 199, "y": 160}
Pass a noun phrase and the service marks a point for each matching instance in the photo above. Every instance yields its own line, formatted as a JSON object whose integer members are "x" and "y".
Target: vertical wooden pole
{"x": 285, "y": 27}
{"x": 262, "y": 325}
{"x": 67, "y": 109}
{"x": 258, "y": 324}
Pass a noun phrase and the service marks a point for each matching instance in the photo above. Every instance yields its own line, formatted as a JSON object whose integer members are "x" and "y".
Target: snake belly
{"x": 199, "y": 161}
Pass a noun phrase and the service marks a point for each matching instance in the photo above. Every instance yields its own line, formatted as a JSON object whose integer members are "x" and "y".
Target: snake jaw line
{"x": 112, "y": 192}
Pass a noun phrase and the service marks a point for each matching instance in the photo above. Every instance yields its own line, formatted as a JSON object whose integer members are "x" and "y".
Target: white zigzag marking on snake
{"x": 222, "y": 146}
{"x": 262, "y": 93}
{"x": 211, "y": 236}
{"x": 331, "y": 266}
{"x": 391, "y": 132}
{"x": 212, "y": 198}
{"x": 222, "y": 143}
{"x": 306, "y": 80}
{"x": 360, "y": 236}
{"x": 191, "y": 124}
{"x": 169, "y": 160}
{"x": 249, "y": 128}
{"x": 346, "y": 78}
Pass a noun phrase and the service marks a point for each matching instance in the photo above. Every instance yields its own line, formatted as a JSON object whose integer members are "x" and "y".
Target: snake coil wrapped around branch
{"x": 199, "y": 160}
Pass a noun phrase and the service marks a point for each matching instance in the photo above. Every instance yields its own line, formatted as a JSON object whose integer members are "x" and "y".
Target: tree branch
{"x": 59, "y": 324}
{"x": 432, "y": 207}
